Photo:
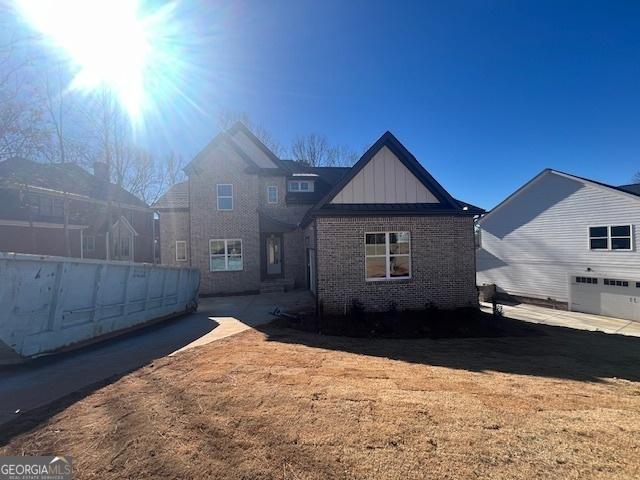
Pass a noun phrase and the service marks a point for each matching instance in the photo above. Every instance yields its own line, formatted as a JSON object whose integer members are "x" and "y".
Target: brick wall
{"x": 174, "y": 225}
{"x": 442, "y": 263}
{"x": 223, "y": 165}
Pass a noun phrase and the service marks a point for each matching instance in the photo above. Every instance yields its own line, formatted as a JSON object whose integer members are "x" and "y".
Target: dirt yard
{"x": 284, "y": 404}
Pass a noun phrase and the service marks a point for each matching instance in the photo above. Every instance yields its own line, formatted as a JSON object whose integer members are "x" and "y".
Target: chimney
{"x": 101, "y": 171}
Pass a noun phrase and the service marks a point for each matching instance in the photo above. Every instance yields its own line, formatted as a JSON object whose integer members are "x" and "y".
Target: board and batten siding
{"x": 534, "y": 241}
{"x": 384, "y": 179}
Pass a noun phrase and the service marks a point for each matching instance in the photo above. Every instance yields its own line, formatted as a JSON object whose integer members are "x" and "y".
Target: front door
{"x": 274, "y": 254}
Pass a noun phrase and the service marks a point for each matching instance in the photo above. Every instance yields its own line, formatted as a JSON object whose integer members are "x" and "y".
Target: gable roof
{"x": 447, "y": 204}
{"x": 622, "y": 190}
{"x": 226, "y": 138}
{"x": 222, "y": 138}
{"x": 123, "y": 221}
{"x": 177, "y": 197}
{"x": 63, "y": 178}
{"x": 241, "y": 127}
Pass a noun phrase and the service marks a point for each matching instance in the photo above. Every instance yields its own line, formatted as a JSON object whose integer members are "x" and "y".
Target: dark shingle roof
{"x": 631, "y": 188}
{"x": 62, "y": 178}
{"x": 176, "y": 197}
{"x": 330, "y": 175}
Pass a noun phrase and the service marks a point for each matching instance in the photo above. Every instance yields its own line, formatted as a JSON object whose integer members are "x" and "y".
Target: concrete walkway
{"x": 563, "y": 318}
{"x": 41, "y": 381}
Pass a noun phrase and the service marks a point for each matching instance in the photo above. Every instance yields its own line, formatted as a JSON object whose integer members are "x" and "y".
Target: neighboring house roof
{"x": 626, "y": 190}
{"x": 62, "y": 178}
{"x": 177, "y": 197}
{"x": 631, "y": 188}
{"x": 446, "y": 205}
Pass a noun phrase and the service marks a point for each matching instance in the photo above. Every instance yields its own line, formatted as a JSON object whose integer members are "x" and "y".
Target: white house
{"x": 568, "y": 239}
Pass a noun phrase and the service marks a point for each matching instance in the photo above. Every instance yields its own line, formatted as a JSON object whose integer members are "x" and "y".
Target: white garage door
{"x": 609, "y": 296}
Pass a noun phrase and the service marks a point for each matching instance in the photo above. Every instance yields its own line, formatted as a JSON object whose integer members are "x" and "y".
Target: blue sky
{"x": 484, "y": 93}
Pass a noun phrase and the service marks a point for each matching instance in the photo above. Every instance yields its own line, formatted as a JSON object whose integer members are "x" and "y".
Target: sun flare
{"x": 111, "y": 44}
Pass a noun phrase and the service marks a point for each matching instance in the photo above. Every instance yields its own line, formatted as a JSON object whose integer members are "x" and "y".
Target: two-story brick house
{"x": 63, "y": 210}
{"x": 382, "y": 232}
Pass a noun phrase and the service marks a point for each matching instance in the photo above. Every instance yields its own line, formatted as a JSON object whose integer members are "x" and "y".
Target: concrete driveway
{"x": 41, "y": 381}
{"x": 563, "y": 318}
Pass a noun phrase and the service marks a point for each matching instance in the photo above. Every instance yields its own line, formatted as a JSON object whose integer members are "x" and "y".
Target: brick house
{"x": 382, "y": 232}
{"x": 63, "y": 210}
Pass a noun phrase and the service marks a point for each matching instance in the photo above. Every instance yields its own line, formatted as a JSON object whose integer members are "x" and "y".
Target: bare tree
{"x": 636, "y": 178}
{"x": 342, "y": 156}
{"x": 316, "y": 151}
{"x": 63, "y": 120}
{"x": 312, "y": 149}
{"x": 20, "y": 104}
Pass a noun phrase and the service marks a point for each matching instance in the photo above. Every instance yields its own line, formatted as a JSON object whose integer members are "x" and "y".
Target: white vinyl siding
{"x": 181, "y": 251}
{"x": 533, "y": 243}
{"x": 224, "y": 192}
{"x": 384, "y": 179}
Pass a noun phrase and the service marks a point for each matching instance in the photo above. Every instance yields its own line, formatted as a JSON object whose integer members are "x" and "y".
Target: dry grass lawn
{"x": 283, "y": 404}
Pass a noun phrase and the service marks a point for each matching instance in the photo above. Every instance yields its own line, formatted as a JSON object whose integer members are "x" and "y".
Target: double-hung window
{"x": 387, "y": 256}
{"x": 610, "y": 237}
{"x": 181, "y": 251}
{"x": 272, "y": 194}
{"x": 225, "y": 196}
{"x": 225, "y": 255}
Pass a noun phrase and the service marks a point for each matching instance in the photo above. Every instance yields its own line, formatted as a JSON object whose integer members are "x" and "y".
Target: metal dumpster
{"x": 49, "y": 304}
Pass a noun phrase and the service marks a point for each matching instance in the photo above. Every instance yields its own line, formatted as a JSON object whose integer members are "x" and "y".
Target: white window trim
{"x": 299, "y": 183}
{"x": 275, "y": 188}
{"x": 181, "y": 242}
{"x": 226, "y": 254}
{"x": 609, "y": 237}
{"x": 387, "y": 257}
{"x": 218, "y": 196}
{"x": 85, "y": 243}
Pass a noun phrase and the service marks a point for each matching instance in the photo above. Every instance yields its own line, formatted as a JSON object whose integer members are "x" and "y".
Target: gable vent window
{"x": 225, "y": 196}
{"x": 611, "y": 237}
{"x": 387, "y": 256}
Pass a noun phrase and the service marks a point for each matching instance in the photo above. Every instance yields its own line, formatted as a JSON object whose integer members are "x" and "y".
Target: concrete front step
{"x": 278, "y": 285}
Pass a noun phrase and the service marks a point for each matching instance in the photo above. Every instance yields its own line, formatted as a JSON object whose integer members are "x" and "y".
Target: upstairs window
{"x": 387, "y": 256}
{"x": 610, "y": 237}
{"x": 620, "y": 237}
{"x": 300, "y": 186}
{"x": 272, "y": 194}
{"x": 225, "y": 196}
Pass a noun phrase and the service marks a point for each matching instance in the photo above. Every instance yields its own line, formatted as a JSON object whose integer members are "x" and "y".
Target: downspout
{"x": 190, "y": 254}
{"x": 315, "y": 254}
